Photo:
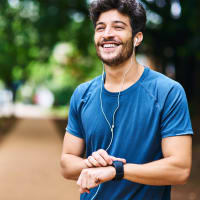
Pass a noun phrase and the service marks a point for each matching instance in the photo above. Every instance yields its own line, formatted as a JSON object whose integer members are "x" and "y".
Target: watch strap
{"x": 119, "y": 167}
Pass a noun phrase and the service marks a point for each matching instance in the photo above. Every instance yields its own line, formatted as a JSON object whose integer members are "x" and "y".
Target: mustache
{"x": 100, "y": 43}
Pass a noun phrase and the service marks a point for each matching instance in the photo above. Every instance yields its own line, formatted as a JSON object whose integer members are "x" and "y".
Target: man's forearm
{"x": 72, "y": 166}
{"x": 161, "y": 172}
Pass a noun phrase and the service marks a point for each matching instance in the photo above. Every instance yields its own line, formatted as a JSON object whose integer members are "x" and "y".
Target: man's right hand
{"x": 101, "y": 158}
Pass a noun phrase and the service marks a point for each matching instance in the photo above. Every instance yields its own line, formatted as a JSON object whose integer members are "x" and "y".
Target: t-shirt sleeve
{"x": 175, "y": 119}
{"x": 74, "y": 123}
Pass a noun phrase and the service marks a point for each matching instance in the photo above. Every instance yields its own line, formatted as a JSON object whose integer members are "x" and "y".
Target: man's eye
{"x": 119, "y": 27}
{"x": 99, "y": 28}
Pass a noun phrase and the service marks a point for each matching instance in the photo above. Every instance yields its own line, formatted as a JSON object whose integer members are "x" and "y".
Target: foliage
{"x": 30, "y": 31}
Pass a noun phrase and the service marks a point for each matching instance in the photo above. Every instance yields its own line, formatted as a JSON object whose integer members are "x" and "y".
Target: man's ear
{"x": 138, "y": 39}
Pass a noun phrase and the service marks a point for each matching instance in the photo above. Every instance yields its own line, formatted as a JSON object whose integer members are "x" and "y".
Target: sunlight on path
{"x": 29, "y": 164}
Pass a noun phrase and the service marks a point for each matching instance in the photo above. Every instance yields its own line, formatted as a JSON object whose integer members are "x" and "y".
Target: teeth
{"x": 109, "y": 45}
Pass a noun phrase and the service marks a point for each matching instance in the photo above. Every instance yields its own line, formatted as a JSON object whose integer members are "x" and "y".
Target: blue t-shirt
{"x": 153, "y": 108}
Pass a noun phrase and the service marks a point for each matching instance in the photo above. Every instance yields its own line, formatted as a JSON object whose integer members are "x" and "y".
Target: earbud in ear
{"x": 136, "y": 40}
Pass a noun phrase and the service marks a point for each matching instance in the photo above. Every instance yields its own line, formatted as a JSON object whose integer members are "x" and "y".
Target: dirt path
{"x": 29, "y": 164}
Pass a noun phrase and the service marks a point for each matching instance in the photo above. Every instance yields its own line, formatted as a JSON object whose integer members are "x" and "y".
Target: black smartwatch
{"x": 119, "y": 167}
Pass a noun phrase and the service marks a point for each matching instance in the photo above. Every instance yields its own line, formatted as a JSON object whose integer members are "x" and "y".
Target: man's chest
{"x": 136, "y": 123}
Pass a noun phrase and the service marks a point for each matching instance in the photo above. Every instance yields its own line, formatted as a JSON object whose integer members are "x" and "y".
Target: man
{"x": 132, "y": 123}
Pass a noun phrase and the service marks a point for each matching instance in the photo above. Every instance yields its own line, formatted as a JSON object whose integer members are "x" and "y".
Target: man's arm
{"x": 173, "y": 169}
{"x": 72, "y": 162}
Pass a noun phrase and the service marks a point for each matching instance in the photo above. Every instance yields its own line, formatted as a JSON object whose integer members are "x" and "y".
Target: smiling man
{"x": 132, "y": 123}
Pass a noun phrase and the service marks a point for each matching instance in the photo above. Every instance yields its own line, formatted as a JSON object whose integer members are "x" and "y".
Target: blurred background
{"x": 46, "y": 50}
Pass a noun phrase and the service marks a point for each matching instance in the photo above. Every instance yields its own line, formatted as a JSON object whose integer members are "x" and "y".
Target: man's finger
{"x": 86, "y": 161}
{"x": 83, "y": 190}
{"x": 84, "y": 182}
{"x": 78, "y": 182}
{"x": 93, "y": 161}
{"x": 119, "y": 159}
{"x": 105, "y": 156}
{"x": 99, "y": 159}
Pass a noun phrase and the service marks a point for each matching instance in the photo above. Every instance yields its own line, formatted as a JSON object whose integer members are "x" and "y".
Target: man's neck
{"x": 115, "y": 74}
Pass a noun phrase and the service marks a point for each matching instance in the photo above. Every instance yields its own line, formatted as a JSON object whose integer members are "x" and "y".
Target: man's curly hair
{"x": 131, "y": 8}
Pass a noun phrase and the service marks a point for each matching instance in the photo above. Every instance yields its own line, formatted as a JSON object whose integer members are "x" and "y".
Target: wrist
{"x": 112, "y": 172}
{"x": 85, "y": 164}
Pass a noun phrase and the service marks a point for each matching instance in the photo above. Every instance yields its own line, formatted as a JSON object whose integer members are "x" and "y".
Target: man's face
{"x": 113, "y": 38}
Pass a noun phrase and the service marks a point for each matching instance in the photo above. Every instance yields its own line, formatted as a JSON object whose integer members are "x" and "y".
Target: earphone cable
{"x": 113, "y": 118}
{"x": 118, "y": 104}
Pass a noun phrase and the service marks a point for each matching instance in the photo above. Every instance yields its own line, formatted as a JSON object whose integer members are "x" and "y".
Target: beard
{"x": 122, "y": 56}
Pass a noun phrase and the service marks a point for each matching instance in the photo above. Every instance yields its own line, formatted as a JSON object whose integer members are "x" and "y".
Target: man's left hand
{"x": 92, "y": 177}
{"x": 101, "y": 158}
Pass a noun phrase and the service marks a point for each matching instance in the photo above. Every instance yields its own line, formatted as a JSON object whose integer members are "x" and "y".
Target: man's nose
{"x": 108, "y": 32}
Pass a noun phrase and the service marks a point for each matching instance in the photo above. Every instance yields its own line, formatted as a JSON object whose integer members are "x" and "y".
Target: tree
{"x": 30, "y": 29}
{"x": 176, "y": 40}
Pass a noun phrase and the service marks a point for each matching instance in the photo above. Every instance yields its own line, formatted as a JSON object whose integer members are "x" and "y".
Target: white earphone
{"x": 136, "y": 40}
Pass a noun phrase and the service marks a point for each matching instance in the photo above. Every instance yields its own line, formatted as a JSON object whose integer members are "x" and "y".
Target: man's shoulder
{"x": 159, "y": 81}
{"x": 87, "y": 88}
{"x": 89, "y": 85}
{"x": 160, "y": 87}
